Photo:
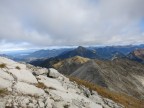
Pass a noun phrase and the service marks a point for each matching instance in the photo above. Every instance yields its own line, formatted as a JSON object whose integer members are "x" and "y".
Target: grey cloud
{"x": 71, "y": 22}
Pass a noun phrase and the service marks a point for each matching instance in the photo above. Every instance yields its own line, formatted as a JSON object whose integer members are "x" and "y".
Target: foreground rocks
{"x": 26, "y": 86}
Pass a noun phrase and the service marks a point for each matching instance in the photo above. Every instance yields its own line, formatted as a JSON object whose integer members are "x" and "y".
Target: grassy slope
{"x": 127, "y": 101}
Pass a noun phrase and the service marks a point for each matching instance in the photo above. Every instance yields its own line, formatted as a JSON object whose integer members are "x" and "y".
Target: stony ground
{"x": 26, "y": 86}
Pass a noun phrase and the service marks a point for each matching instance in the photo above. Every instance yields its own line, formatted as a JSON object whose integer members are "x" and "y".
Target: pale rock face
{"x": 75, "y": 99}
{"x": 5, "y": 83}
{"x": 6, "y": 61}
{"x": 42, "y": 71}
{"x": 41, "y": 104}
{"x": 5, "y": 75}
{"x": 51, "y": 83}
{"x": 11, "y": 64}
{"x": 28, "y": 89}
{"x": 39, "y": 91}
{"x": 23, "y": 75}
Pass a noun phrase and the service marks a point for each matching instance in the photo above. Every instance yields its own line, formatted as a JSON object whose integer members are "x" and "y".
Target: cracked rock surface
{"x": 26, "y": 86}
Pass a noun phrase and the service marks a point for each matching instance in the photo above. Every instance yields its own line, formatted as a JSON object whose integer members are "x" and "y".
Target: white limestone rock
{"x": 6, "y": 75}
{"x": 53, "y": 73}
{"x": 41, "y": 104}
{"x": 19, "y": 71}
{"x": 23, "y": 75}
{"x": 11, "y": 64}
{"x": 41, "y": 71}
{"x": 69, "y": 97}
{"x": 51, "y": 83}
{"x": 2, "y": 104}
{"x": 5, "y": 84}
{"x": 24, "y": 88}
{"x": 49, "y": 102}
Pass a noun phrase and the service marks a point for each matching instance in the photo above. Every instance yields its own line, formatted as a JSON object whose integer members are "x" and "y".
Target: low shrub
{"x": 66, "y": 106}
{"x": 17, "y": 67}
{"x": 2, "y": 65}
{"x": 3, "y": 92}
{"x": 41, "y": 85}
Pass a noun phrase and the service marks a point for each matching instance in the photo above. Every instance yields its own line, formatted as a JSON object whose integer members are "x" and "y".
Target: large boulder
{"x": 53, "y": 73}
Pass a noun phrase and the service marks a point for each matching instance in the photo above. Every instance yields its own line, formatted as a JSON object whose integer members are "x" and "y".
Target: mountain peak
{"x": 80, "y": 48}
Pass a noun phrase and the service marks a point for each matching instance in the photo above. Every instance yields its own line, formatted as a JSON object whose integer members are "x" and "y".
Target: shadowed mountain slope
{"x": 120, "y": 75}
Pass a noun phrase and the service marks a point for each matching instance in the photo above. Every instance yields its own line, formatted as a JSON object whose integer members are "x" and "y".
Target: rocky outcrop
{"x": 26, "y": 86}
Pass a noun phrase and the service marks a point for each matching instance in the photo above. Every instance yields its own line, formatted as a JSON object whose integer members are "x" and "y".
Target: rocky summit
{"x": 25, "y": 86}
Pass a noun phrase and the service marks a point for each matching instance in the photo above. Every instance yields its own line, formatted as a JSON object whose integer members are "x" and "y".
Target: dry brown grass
{"x": 9, "y": 107}
{"x": 17, "y": 67}
{"x": 2, "y": 65}
{"x": 3, "y": 92}
{"x": 41, "y": 85}
{"x": 127, "y": 101}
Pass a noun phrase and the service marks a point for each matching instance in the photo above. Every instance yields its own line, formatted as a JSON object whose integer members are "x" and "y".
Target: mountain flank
{"x": 69, "y": 65}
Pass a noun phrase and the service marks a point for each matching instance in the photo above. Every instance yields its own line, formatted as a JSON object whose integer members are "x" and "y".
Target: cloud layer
{"x": 43, "y": 23}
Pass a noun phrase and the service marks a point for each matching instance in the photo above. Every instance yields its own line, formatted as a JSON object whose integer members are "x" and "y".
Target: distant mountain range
{"x": 28, "y": 56}
{"x": 47, "y": 53}
{"x": 105, "y": 53}
{"x": 108, "y": 53}
{"x": 90, "y": 52}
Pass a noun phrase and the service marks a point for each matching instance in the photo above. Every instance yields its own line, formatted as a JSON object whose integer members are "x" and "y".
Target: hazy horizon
{"x": 7, "y": 51}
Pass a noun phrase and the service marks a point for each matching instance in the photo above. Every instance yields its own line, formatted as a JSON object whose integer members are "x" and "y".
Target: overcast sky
{"x": 43, "y": 23}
